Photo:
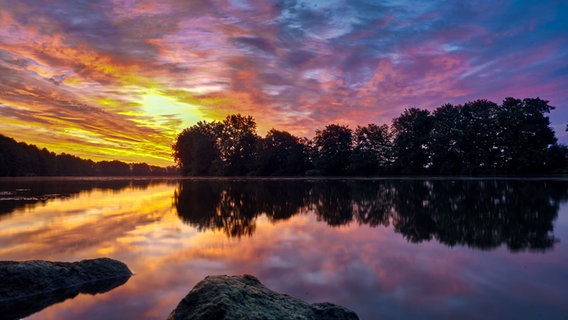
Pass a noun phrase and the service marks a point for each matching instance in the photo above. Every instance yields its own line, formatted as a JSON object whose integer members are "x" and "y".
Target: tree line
{"x": 19, "y": 159}
{"x": 475, "y": 138}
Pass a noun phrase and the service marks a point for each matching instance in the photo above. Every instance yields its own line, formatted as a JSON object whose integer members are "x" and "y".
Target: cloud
{"x": 294, "y": 65}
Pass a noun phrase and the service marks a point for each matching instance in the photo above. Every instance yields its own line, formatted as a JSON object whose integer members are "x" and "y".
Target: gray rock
{"x": 244, "y": 297}
{"x": 30, "y": 286}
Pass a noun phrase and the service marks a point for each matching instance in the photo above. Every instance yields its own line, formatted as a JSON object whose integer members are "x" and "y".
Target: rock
{"x": 30, "y": 286}
{"x": 244, "y": 297}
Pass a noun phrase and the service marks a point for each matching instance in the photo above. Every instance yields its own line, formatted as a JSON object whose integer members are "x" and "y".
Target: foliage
{"x": 371, "y": 153}
{"x": 196, "y": 150}
{"x": 238, "y": 144}
{"x": 333, "y": 146}
{"x": 281, "y": 154}
{"x": 411, "y": 134}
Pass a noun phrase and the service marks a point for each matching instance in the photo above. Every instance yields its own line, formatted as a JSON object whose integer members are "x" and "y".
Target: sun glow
{"x": 161, "y": 106}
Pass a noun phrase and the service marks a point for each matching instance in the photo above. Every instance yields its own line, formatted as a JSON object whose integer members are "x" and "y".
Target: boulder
{"x": 30, "y": 286}
{"x": 244, "y": 297}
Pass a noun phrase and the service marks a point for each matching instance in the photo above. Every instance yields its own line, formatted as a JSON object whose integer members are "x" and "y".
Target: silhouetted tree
{"x": 113, "y": 168}
{"x": 280, "y": 154}
{"x": 479, "y": 124}
{"x": 445, "y": 141}
{"x": 524, "y": 135}
{"x": 140, "y": 169}
{"x": 332, "y": 147}
{"x": 309, "y": 154}
{"x": 411, "y": 136}
{"x": 372, "y": 151}
{"x": 238, "y": 144}
{"x": 196, "y": 150}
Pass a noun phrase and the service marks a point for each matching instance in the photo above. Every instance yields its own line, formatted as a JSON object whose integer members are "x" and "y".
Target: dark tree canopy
{"x": 196, "y": 150}
{"x": 524, "y": 134}
{"x": 281, "y": 154}
{"x": 333, "y": 147}
{"x": 237, "y": 144}
{"x": 410, "y": 147}
{"x": 372, "y": 148}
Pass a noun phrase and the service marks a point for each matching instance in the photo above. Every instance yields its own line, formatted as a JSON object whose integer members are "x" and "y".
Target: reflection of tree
{"x": 333, "y": 202}
{"x": 233, "y": 206}
{"x": 196, "y": 203}
{"x": 483, "y": 214}
{"x": 477, "y": 213}
{"x": 281, "y": 199}
{"x": 218, "y": 206}
{"x": 373, "y": 202}
{"x": 412, "y": 216}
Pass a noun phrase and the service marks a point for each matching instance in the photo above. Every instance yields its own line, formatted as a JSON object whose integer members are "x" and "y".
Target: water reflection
{"x": 483, "y": 214}
{"x": 20, "y": 193}
{"x": 233, "y": 206}
{"x": 366, "y": 261}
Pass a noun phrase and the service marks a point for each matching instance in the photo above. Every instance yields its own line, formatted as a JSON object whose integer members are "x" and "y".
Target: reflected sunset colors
{"x": 361, "y": 249}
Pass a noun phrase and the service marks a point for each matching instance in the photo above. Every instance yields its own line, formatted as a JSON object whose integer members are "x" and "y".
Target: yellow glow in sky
{"x": 156, "y": 104}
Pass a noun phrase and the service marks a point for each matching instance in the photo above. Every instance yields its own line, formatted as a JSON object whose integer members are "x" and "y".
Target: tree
{"x": 280, "y": 154}
{"x": 446, "y": 137}
{"x": 372, "y": 151}
{"x": 525, "y": 136}
{"x": 238, "y": 144}
{"x": 479, "y": 127}
{"x": 113, "y": 168}
{"x": 196, "y": 150}
{"x": 140, "y": 169}
{"x": 333, "y": 149}
{"x": 411, "y": 134}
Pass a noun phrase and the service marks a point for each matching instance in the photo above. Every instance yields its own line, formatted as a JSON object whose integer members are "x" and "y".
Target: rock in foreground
{"x": 29, "y": 286}
{"x": 244, "y": 297}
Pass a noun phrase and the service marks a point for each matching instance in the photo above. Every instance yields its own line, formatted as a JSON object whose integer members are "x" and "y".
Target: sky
{"x": 119, "y": 79}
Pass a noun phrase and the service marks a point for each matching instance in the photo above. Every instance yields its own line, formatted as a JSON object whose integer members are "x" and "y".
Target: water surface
{"x": 388, "y": 249}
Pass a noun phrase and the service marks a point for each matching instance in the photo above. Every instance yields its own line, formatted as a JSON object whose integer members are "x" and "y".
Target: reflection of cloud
{"x": 295, "y": 65}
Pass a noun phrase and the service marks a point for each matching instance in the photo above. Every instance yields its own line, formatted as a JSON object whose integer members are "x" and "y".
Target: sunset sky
{"x": 119, "y": 79}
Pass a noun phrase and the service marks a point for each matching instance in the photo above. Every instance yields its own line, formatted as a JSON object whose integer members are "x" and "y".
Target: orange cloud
{"x": 291, "y": 66}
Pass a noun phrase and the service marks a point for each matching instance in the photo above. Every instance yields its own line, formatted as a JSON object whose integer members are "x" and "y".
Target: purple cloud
{"x": 293, "y": 65}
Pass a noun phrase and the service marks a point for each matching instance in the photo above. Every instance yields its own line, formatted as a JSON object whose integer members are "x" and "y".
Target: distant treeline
{"x": 476, "y": 138}
{"x": 19, "y": 159}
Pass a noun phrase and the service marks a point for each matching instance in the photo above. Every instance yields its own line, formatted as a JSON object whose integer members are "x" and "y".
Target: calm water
{"x": 388, "y": 249}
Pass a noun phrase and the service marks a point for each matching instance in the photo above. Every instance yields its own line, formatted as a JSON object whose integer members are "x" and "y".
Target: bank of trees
{"x": 479, "y": 137}
{"x": 19, "y": 159}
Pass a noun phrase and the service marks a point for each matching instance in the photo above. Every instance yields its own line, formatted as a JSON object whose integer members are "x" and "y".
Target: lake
{"x": 385, "y": 248}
